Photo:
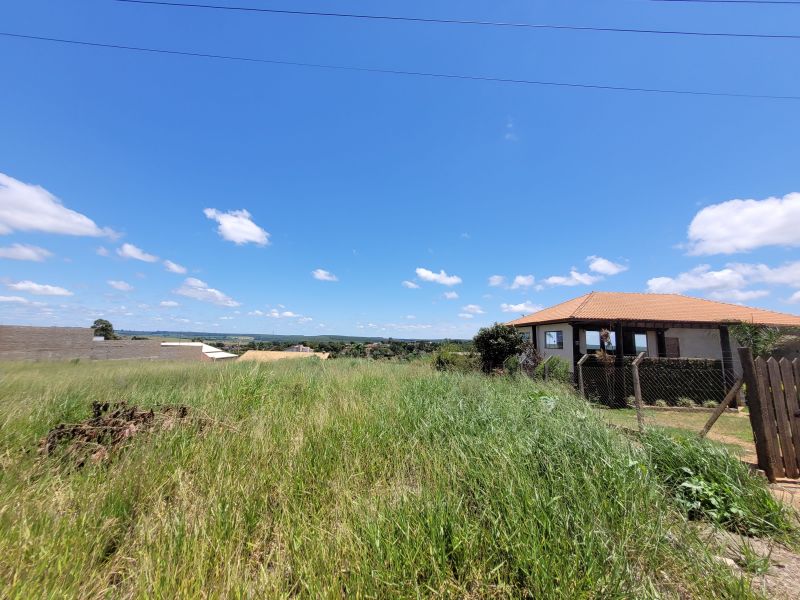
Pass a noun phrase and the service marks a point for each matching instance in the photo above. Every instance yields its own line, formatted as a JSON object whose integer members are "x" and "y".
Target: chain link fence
{"x": 664, "y": 382}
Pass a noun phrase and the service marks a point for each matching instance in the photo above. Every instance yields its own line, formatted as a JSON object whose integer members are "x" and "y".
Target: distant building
{"x": 299, "y": 348}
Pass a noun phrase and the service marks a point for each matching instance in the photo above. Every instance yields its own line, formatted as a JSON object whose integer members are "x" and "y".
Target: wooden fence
{"x": 772, "y": 397}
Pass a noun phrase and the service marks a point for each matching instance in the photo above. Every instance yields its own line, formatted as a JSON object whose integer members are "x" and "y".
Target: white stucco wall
{"x": 566, "y": 352}
{"x": 703, "y": 343}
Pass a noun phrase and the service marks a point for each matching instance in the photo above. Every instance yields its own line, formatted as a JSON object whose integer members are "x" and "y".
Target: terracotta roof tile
{"x": 619, "y": 306}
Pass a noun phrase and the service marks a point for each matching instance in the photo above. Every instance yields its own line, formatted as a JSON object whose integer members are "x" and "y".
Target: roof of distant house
{"x": 210, "y": 351}
{"x": 621, "y": 306}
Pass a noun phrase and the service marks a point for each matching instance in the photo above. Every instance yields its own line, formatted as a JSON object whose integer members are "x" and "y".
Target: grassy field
{"x": 333, "y": 479}
{"x": 732, "y": 430}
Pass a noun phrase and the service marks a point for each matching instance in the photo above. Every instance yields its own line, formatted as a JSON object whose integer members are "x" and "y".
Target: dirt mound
{"x": 109, "y": 429}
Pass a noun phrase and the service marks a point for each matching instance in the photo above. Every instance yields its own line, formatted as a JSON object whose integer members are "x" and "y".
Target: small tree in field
{"x": 495, "y": 344}
{"x": 104, "y": 328}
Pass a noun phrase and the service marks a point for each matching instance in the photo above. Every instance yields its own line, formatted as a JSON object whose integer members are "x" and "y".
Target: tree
{"x": 104, "y": 328}
{"x": 495, "y": 344}
{"x": 761, "y": 340}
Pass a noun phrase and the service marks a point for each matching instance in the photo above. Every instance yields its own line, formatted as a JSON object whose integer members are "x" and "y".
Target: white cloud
{"x": 743, "y": 225}
{"x": 122, "y": 286}
{"x": 39, "y": 289}
{"x": 304, "y": 320}
{"x": 472, "y": 309}
{"x": 700, "y": 278}
{"x": 323, "y": 275}
{"x": 497, "y": 281}
{"x": 738, "y": 295}
{"x": 101, "y": 251}
{"x": 131, "y": 251}
{"x": 574, "y": 278}
{"x": 730, "y": 281}
{"x": 168, "y": 303}
{"x": 274, "y": 313}
{"x": 450, "y": 295}
{"x": 466, "y": 315}
{"x": 441, "y": 277}
{"x": 510, "y": 134}
{"x": 15, "y": 299}
{"x": 786, "y": 274}
{"x": 237, "y": 226}
{"x": 227, "y": 318}
{"x": 523, "y": 281}
{"x": 411, "y": 317}
{"x": 524, "y": 307}
{"x": 173, "y": 267}
{"x": 27, "y": 207}
{"x": 601, "y": 265}
{"x": 199, "y": 290}
{"x": 25, "y": 252}
{"x": 410, "y": 285}
{"x": 795, "y": 297}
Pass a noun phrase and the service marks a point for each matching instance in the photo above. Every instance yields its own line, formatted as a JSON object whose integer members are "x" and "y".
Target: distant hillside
{"x": 264, "y": 337}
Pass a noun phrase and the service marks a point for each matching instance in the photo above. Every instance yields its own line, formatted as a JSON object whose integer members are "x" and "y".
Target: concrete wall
{"x": 566, "y": 352}
{"x": 44, "y": 343}
{"x": 67, "y": 343}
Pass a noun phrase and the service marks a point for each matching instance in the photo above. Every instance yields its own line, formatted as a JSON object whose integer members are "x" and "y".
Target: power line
{"x": 407, "y": 73}
{"x": 396, "y": 18}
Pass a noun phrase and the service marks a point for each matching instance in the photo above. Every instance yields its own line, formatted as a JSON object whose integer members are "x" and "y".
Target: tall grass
{"x": 345, "y": 478}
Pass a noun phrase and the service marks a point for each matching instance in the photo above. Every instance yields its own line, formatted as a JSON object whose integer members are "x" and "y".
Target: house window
{"x": 593, "y": 342}
{"x": 525, "y": 335}
{"x": 554, "y": 340}
{"x": 640, "y": 341}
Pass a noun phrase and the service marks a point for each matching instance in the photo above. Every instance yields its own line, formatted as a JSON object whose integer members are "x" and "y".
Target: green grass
{"x": 734, "y": 430}
{"x": 337, "y": 479}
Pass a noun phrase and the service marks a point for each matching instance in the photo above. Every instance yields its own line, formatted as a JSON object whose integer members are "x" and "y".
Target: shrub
{"x": 495, "y": 344}
{"x": 685, "y": 402}
{"x": 710, "y": 404}
{"x": 449, "y": 358}
{"x": 630, "y": 401}
{"x": 557, "y": 370}
{"x": 660, "y": 403}
{"x": 707, "y": 482}
{"x": 530, "y": 358}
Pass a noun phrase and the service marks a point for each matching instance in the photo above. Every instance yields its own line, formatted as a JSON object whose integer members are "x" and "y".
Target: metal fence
{"x": 663, "y": 382}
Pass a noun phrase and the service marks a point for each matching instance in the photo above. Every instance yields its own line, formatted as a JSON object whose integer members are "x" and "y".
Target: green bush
{"x": 660, "y": 403}
{"x": 496, "y": 344}
{"x": 685, "y": 403}
{"x": 449, "y": 358}
{"x": 710, "y": 404}
{"x": 708, "y": 483}
{"x": 557, "y": 370}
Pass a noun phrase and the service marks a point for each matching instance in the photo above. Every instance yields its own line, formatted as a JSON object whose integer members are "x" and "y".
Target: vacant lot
{"x": 327, "y": 479}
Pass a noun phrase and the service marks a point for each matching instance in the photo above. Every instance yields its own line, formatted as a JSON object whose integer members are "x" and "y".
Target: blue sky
{"x": 377, "y": 179}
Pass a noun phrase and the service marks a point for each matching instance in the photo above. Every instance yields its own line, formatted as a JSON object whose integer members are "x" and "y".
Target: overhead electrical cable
{"x": 442, "y": 21}
{"x": 399, "y": 72}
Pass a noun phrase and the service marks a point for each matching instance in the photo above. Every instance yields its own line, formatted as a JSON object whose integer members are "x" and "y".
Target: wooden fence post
{"x": 721, "y": 408}
{"x": 637, "y": 390}
{"x": 583, "y": 359}
{"x": 758, "y": 405}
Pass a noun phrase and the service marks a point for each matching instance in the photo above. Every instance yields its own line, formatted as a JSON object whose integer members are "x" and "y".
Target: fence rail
{"x": 772, "y": 396}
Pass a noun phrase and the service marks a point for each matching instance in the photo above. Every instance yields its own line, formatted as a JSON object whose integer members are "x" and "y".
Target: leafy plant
{"x": 495, "y": 344}
{"x": 761, "y": 339}
{"x": 710, "y": 404}
{"x": 708, "y": 483}
{"x": 104, "y": 328}
{"x": 451, "y": 358}
{"x": 660, "y": 403}
{"x": 684, "y": 402}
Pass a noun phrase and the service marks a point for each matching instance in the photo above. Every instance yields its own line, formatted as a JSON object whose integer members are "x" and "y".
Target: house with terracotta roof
{"x": 660, "y": 325}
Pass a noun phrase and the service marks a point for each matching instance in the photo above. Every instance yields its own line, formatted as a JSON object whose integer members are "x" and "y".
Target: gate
{"x": 772, "y": 397}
